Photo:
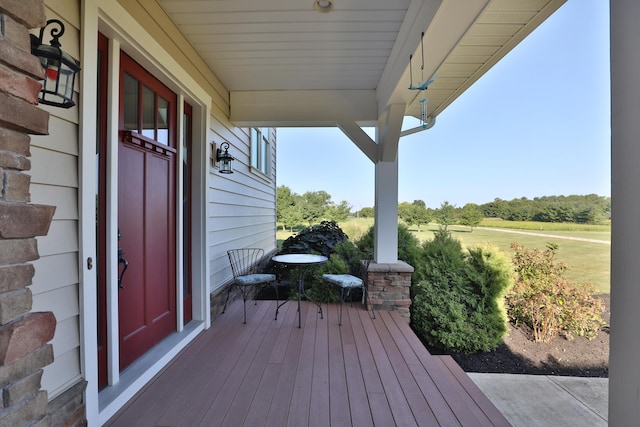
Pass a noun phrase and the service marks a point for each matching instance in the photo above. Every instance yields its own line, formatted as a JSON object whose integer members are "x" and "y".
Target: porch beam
{"x": 313, "y": 108}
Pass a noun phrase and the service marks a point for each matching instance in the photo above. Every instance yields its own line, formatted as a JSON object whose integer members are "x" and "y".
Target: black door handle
{"x": 123, "y": 261}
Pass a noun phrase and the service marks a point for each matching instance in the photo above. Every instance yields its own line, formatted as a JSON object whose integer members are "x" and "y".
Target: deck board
{"x": 283, "y": 393}
{"x": 439, "y": 407}
{"x": 340, "y": 414}
{"x": 320, "y": 411}
{"x": 467, "y": 387}
{"x": 411, "y": 391}
{"x": 272, "y": 373}
{"x": 357, "y": 391}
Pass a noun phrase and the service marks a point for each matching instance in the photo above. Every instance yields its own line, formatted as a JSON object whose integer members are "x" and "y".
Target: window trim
{"x": 260, "y": 152}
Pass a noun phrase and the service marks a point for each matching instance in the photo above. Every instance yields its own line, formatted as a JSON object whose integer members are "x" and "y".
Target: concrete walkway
{"x": 539, "y": 400}
{"x": 554, "y": 236}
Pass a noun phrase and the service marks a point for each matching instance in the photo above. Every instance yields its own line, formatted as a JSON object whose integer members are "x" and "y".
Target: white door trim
{"x": 109, "y": 17}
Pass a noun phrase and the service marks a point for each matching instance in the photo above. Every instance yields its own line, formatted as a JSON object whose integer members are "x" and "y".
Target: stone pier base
{"x": 389, "y": 287}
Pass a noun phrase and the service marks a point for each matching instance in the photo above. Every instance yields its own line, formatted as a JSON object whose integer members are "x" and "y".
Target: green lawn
{"x": 586, "y": 262}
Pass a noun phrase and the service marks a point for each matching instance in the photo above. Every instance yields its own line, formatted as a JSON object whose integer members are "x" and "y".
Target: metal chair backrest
{"x": 364, "y": 268}
{"x": 245, "y": 261}
{"x": 360, "y": 267}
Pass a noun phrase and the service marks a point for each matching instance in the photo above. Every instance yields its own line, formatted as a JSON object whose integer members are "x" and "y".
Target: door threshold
{"x": 136, "y": 376}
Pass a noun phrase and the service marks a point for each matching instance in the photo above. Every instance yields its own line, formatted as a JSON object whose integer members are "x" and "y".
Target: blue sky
{"x": 537, "y": 124}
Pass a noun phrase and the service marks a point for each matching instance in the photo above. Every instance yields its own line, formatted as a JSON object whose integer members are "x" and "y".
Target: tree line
{"x": 310, "y": 208}
{"x": 313, "y": 206}
{"x": 589, "y": 209}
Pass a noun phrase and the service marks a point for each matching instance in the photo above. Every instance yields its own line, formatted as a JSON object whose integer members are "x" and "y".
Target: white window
{"x": 261, "y": 149}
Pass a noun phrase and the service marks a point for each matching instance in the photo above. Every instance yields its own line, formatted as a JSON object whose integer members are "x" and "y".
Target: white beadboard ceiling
{"x": 285, "y": 64}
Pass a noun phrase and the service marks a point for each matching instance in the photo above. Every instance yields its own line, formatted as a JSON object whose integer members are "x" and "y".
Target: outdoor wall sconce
{"x": 60, "y": 68}
{"x": 224, "y": 159}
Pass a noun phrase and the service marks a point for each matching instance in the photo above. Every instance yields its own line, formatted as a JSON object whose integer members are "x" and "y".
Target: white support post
{"x": 386, "y": 198}
{"x": 386, "y": 213}
{"x": 624, "y": 375}
{"x": 384, "y": 153}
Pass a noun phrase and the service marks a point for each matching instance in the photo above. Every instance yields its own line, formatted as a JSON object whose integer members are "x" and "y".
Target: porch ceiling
{"x": 285, "y": 64}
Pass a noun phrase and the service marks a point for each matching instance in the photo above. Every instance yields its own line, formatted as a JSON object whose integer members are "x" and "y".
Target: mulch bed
{"x": 519, "y": 354}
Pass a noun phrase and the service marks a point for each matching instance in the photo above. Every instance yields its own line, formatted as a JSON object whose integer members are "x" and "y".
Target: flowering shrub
{"x": 548, "y": 303}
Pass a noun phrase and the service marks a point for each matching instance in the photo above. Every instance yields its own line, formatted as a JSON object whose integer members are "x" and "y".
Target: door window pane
{"x": 148, "y": 107}
{"x": 148, "y": 113}
{"x": 163, "y": 121}
{"x": 130, "y": 103}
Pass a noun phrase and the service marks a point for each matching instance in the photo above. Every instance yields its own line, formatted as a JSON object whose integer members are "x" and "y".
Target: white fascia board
{"x": 443, "y": 30}
{"x": 419, "y": 16}
{"x": 302, "y": 107}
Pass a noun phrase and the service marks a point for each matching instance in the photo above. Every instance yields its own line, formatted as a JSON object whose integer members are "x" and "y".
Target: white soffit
{"x": 285, "y": 64}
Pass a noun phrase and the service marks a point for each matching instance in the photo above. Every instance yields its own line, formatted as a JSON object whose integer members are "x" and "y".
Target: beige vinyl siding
{"x": 65, "y": 198}
{"x": 54, "y": 181}
{"x": 54, "y": 272}
{"x": 62, "y": 238}
{"x": 241, "y": 205}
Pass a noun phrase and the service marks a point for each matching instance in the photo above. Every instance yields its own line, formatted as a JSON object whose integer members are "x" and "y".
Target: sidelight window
{"x": 261, "y": 149}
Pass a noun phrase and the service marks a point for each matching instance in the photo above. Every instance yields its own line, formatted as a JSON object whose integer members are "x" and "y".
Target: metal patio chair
{"x": 349, "y": 282}
{"x": 244, "y": 265}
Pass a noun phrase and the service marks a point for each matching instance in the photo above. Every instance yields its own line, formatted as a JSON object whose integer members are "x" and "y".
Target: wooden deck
{"x": 271, "y": 373}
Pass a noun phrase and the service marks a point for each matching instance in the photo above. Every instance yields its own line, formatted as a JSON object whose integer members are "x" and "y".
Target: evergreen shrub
{"x": 458, "y": 303}
{"x": 408, "y": 246}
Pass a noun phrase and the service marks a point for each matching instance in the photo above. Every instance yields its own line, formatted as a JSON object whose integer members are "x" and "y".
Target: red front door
{"x": 146, "y": 206}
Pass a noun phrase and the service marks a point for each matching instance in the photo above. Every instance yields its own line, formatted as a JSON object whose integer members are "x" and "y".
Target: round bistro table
{"x": 301, "y": 262}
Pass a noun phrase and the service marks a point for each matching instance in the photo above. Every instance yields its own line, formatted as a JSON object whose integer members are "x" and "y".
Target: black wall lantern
{"x": 60, "y": 68}
{"x": 224, "y": 158}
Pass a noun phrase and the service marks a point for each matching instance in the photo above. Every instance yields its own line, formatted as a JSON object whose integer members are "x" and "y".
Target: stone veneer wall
{"x": 389, "y": 287}
{"x": 24, "y": 335}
